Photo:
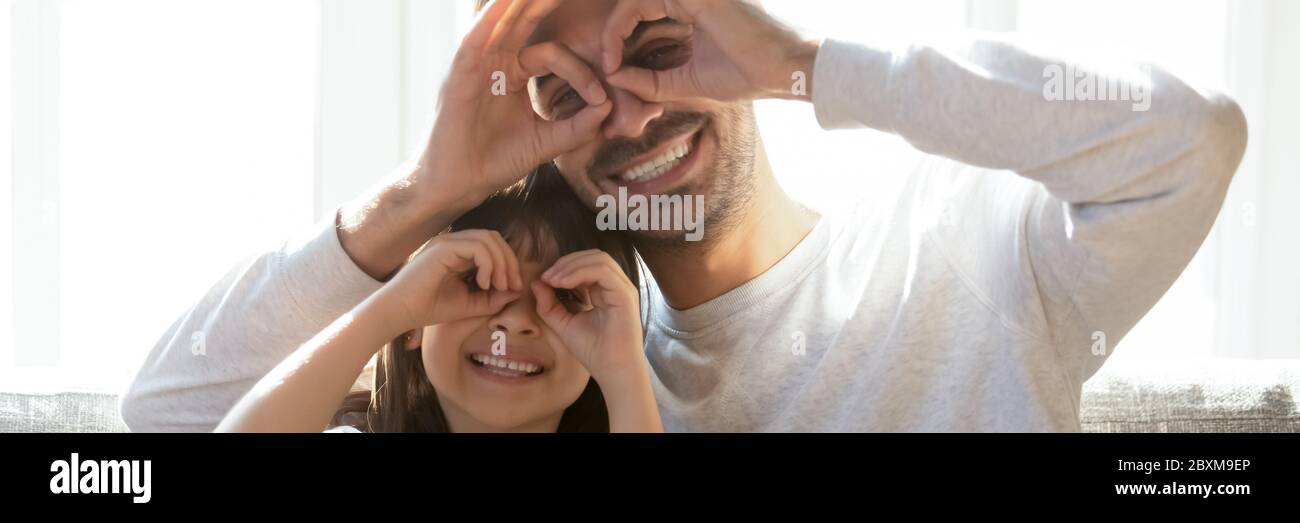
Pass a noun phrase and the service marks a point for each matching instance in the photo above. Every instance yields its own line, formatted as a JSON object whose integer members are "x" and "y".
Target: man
{"x": 1039, "y": 231}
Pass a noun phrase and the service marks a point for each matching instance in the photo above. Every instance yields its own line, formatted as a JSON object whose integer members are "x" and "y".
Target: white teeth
{"x": 506, "y": 364}
{"x": 658, "y": 166}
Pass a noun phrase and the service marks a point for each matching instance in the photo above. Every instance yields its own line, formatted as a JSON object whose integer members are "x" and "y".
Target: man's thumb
{"x": 566, "y": 135}
{"x": 653, "y": 86}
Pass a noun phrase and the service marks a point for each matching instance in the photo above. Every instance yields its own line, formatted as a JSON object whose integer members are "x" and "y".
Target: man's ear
{"x": 412, "y": 339}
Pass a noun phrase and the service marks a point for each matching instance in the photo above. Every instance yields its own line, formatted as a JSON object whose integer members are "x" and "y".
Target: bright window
{"x": 148, "y": 145}
{"x": 6, "y": 185}
{"x": 175, "y": 137}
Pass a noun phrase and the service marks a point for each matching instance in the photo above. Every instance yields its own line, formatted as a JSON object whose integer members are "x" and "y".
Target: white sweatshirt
{"x": 1034, "y": 237}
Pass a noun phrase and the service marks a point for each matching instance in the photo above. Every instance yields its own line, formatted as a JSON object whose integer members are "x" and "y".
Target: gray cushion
{"x": 1219, "y": 395}
{"x": 60, "y": 412}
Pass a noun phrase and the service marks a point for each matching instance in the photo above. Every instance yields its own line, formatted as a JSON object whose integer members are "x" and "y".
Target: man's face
{"x": 689, "y": 147}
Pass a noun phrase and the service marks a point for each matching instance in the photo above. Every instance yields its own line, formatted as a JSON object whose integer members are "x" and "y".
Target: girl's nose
{"x": 517, "y": 319}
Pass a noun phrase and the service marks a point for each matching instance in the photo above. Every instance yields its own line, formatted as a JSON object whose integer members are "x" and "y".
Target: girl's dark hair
{"x": 543, "y": 218}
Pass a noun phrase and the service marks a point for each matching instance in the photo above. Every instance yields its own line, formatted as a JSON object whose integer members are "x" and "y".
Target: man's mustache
{"x": 616, "y": 153}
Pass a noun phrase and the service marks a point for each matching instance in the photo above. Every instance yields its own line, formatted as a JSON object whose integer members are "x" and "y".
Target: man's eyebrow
{"x": 642, "y": 27}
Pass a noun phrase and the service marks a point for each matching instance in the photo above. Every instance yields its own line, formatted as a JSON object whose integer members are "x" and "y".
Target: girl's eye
{"x": 663, "y": 57}
{"x": 567, "y": 104}
{"x": 572, "y": 300}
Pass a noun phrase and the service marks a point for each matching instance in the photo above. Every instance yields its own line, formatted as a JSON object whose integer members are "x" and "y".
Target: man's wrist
{"x": 381, "y": 230}
{"x": 801, "y": 69}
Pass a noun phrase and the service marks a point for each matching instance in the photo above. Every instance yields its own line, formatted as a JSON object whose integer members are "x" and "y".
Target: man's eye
{"x": 567, "y": 104}
{"x": 471, "y": 280}
{"x": 661, "y": 57}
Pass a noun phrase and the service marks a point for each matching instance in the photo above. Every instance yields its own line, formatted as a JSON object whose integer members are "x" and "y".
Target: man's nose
{"x": 630, "y": 115}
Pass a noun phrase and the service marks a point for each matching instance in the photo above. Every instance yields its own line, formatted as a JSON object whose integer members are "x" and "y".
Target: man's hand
{"x": 486, "y": 136}
{"x": 739, "y": 53}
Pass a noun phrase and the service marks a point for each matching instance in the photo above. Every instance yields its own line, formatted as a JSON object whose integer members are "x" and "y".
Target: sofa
{"x": 1218, "y": 395}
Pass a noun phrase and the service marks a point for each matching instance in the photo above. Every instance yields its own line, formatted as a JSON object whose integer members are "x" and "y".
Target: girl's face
{"x": 525, "y": 385}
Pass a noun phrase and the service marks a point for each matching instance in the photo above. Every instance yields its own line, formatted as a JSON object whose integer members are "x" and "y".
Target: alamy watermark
{"x": 1099, "y": 346}
{"x": 800, "y": 86}
{"x": 75, "y": 476}
{"x": 1068, "y": 84}
{"x": 799, "y": 343}
{"x": 639, "y": 212}
{"x": 199, "y": 343}
{"x": 498, "y": 343}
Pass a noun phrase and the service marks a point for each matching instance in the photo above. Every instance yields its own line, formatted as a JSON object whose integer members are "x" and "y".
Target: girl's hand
{"x": 487, "y": 135}
{"x": 600, "y": 321}
{"x": 458, "y": 275}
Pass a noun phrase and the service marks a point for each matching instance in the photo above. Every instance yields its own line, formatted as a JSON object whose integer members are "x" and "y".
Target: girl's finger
{"x": 605, "y": 287}
{"x": 562, "y": 264}
{"x": 467, "y": 249}
{"x": 595, "y": 272}
{"x": 549, "y": 309}
{"x": 513, "y": 275}
{"x": 489, "y": 303}
{"x": 500, "y": 276}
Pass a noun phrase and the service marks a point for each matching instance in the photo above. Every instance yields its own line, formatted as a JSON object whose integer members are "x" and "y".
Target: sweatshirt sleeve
{"x": 243, "y": 327}
{"x": 1070, "y": 195}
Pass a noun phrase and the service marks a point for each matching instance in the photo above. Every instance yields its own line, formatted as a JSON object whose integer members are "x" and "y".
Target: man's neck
{"x": 770, "y": 228}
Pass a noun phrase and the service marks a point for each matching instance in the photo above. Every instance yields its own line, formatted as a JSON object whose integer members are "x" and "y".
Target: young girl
{"x": 522, "y": 317}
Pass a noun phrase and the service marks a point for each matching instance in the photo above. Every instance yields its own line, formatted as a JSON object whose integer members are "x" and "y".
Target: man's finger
{"x": 622, "y": 23}
{"x": 515, "y": 30}
{"x": 554, "y": 58}
{"x": 479, "y": 35}
{"x": 656, "y": 86}
{"x": 563, "y": 136}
